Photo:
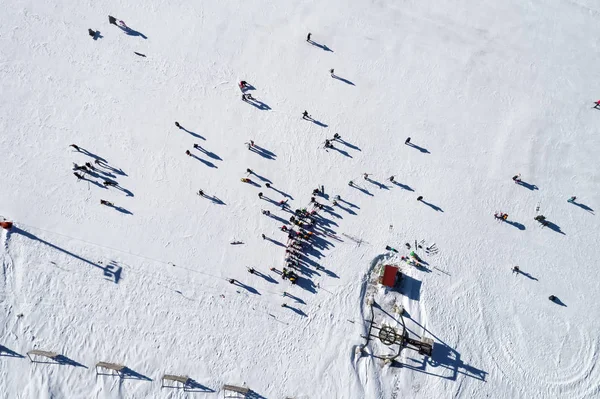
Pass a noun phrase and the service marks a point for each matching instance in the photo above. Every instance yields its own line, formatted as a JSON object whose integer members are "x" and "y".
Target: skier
{"x": 336, "y": 136}
{"x": 268, "y": 185}
{"x": 391, "y": 179}
{"x": 337, "y": 197}
{"x": 245, "y": 180}
{"x": 572, "y": 199}
{"x": 366, "y": 176}
{"x": 264, "y": 237}
{"x": 178, "y": 125}
{"x": 283, "y": 203}
{"x": 243, "y": 84}
{"x": 407, "y": 141}
{"x": 249, "y": 171}
{"x": 251, "y": 270}
{"x": 103, "y": 202}
{"x": 284, "y": 228}
{"x": 351, "y": 183}
{"x": 78, "y": 175}
{"x": 188, "y": 153}
{"x": 335, "y": 203}
{"x": 201, "y": 193}
{"x": 552, "y": 298}
{"x": 260, "y": 195}
{"x": 308, "y": 37}
{"x": 328, "y": 144}
{"x": 517, "y": 178}
{"x": 92, "y": 33}
{"x": 108, "y": 183}
{"x": 245, "y": 97}
{"x": 331, "y": 72}
{"x": 420, "y": 198}
{"x": 112, "y": 20}
{"x": 268, "y": 213}
{"x": 597, "y": 104}
{"x": 74, "y": 146}
{"x": 305, "y": 114}
{"x": 312, "y": 199}
{"x": 196, "y": 146}
{"x": 231, "y": 281}
{"x": 315, "y": 191}
{"x": 516, "y": 269}
{"x": 80, "y": 167}
{"x": 89, "y": 165}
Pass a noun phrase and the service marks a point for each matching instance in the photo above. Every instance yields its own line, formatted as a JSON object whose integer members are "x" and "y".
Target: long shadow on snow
{"x": 365, "y": 191}
{"x": 423, "y": 150}
{"x": 410, "y": 287}
{"x": 515, "y": 224}
{"x": 306, "y": 284}
{"x": 378, "y": 184}
{"x": 207, "y": 163}
{"x": 444, "y": 358}
{"x": 350, "y": 211}
{"x": 193, "y": 133}
{"x": 4, "y": 351}
{"x": 584, "y": 207}
{"x": 194, "y": 386}
{"x": 282, "y": 193}
{"x": 350, "y": 204}
{"x": 403, "y": 186}
{"x": 297, "y": 311}
{"x": 343, "y": 80}
{"x": 251, "y": 290}
{"x": 554, "y": 227}
{"x": 528, "y": 186}
{"x": 341, "y": 151}
{"x": 348, "y": 144}
{"x": 434, "y": 207}
{"x": 321, "y": 46}
{"x": 133, "y": 375}
{"x": 132, "y": 32}
{"x": 262, "y": 152}
{"x": 259, "y": 104}
{"x": 210, "y": 154}
{"x": 275, "y": 242}
{"x": 108, "y": 272}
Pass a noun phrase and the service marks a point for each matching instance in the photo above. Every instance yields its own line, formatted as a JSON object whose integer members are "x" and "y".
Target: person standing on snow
{"x": 308, "y": 37}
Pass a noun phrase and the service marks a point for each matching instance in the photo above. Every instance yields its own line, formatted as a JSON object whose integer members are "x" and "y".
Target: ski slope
{"x": 485, "y": 89}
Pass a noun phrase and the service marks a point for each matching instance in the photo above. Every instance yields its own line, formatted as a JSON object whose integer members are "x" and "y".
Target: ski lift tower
{"x": 396, "y": 337}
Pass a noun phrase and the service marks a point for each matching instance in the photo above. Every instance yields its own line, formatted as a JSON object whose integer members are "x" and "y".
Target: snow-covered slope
{"x": 485, "y": 89}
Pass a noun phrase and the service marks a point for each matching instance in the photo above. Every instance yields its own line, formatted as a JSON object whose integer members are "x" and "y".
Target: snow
{"x": 485, "y": 89}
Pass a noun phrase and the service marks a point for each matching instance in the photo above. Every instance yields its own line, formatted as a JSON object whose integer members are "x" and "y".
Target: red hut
{"x": 390, "y": 276}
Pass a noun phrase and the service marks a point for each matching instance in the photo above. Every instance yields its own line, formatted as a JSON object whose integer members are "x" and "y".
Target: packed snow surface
{"x": 486, "y": 89}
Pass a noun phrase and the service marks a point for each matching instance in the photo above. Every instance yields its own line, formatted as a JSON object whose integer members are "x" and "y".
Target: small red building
{"x": 390, "y": 276}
